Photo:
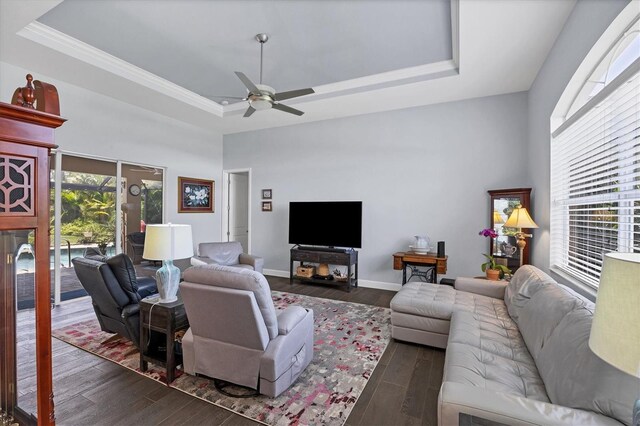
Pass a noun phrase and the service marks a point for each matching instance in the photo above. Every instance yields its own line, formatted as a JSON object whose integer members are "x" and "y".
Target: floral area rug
{"x": 350, "y": 338}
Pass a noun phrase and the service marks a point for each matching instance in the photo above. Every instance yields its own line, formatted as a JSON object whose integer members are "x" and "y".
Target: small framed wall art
{"x": 266, "y": 194}
{"x": 266, "y": 206}
{"x": 195, "y": 195}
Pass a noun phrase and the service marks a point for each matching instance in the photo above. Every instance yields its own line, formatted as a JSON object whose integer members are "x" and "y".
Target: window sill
{"x": 573, "y": 283}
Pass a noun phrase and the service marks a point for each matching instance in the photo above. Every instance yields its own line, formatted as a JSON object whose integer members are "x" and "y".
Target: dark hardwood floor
{"x": 91, "y": 391}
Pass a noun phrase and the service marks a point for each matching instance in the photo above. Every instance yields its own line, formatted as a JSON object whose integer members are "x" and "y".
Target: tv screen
{"x": 326, "y": 223}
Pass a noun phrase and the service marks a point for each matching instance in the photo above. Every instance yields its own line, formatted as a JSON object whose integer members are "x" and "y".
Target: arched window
{"x": 595, "y": 162}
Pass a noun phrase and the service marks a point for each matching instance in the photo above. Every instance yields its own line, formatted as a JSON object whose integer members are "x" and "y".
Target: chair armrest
{"x": 488, "y": 288}
{"x": 285, "y": 349}
{"x": 146, "y": 286}
{"x": 289, "y": 318}
{"x": 130, "y": 310}
{"x": 457, "y": 398}
{"x": 255, "y": 261}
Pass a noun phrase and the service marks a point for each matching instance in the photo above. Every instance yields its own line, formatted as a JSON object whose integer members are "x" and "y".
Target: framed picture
{"x": 266, "y": 194}
{"x": 266, "y": 206}
{"x": 195, "y": 195}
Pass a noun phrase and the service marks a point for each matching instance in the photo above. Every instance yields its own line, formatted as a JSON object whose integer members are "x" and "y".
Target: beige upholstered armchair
{"x": 237, "y": 336}
{"x": 228, "y": 254}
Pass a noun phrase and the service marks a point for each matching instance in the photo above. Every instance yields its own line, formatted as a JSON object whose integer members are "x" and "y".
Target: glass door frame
{"x": 57, "y": 202}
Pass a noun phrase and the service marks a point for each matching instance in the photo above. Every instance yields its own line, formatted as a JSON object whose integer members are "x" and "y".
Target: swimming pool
{"x": 26, "y": 261}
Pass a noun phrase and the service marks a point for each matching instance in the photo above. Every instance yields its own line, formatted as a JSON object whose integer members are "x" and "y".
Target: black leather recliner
{"x": 115, "y": 292}
{"x": 136, "y": 246}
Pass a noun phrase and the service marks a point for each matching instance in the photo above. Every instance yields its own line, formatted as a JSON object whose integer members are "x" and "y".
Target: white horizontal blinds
{"x": 595, "y": 183}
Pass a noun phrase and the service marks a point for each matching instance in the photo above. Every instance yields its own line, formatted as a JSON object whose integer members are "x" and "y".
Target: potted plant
{"x": 490, "y": 267}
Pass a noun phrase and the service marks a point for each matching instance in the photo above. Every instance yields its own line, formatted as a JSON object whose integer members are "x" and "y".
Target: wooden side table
{"x": 164, "y": 318}
{"x": 435, "y": 265}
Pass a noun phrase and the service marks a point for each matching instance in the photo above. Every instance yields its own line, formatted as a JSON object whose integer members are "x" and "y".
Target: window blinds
{"x": 595, "y": 181}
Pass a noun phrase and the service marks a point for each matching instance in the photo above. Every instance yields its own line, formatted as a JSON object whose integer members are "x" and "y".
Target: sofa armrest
{"x": 255, "y": 261}
{"x": 289, "y": 318}
{"x": 480, "y": 286}
{"x": 457, "y": 398}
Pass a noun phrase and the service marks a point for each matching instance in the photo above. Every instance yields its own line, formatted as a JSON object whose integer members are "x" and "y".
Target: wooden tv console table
{"x": 348, "y": 258}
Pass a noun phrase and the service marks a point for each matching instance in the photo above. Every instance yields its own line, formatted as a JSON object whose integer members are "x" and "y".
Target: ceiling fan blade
{"x": 287, "y": 109}
{"x": 225, "y": 97}
{"x": 293, "y": 94}
{"x": 248, "y": 83}
{"x": 249, "y": 111}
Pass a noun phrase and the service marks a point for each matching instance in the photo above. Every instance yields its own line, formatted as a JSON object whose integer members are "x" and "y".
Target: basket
{"x": 305, "y": 271}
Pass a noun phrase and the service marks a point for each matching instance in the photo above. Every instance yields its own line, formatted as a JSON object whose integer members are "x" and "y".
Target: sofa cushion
{"x": 439, "y": 301}
{"x": 241, "y": 279}
{"x": 525, "y": 283}
{"x": 489, "y": 353}
{"x": 227, "y": 253}
{"x": 543, "y": 313}
{"x": 575, "y": 377}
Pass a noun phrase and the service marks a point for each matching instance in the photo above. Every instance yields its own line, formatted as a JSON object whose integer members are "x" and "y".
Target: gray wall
{"x": 587, "y": 22}
{"x": 418, "y": 171}
{"x": 98, "y": 125}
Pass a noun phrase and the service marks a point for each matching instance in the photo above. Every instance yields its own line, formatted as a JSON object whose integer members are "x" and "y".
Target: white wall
{"x": 102, "y": 126}
{"x": 585, "y": 25}
{"x": 418, "y": 171}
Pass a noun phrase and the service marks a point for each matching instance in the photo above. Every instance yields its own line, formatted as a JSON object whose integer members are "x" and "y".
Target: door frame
{"x": 225, "y": 204}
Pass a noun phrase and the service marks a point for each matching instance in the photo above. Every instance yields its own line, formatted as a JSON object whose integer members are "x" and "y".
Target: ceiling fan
{"x": 262, "y": 96}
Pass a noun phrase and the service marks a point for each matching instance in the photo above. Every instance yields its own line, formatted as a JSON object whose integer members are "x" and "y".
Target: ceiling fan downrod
{"x": 262, "y": 38}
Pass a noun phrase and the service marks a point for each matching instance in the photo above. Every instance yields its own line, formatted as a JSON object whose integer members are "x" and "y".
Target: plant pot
{"x": 493, "y": 274}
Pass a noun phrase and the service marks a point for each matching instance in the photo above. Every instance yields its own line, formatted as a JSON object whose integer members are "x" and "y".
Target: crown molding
{"x": 63, "y": 43}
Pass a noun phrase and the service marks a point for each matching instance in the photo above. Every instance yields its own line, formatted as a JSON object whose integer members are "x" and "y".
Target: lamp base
{"x": 168, "y": 280}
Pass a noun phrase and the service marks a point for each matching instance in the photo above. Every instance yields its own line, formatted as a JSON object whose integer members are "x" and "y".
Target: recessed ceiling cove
{"x": 199, "y": 44}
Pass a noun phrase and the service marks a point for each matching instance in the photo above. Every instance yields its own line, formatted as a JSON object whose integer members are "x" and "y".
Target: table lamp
{"x": 166, "y": 243}
{"x": 520, "y": 219}
{"x": 615, "y": 332}
{"x": 497, "y": 217}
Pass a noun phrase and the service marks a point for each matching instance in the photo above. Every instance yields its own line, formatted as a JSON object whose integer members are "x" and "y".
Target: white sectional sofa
{"x": 516, "y": 353}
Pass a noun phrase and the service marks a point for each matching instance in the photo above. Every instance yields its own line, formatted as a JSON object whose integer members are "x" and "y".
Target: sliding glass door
{"x": 98, "y": 205}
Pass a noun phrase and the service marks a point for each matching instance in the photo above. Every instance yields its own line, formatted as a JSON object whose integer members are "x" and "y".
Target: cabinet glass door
{"x": 17, "y": 300}
{"x": 503, "y": 247}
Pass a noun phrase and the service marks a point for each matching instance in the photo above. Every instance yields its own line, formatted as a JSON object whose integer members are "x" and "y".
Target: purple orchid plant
{"x": 487, "y": 232}
{"x": 491, "y": 261}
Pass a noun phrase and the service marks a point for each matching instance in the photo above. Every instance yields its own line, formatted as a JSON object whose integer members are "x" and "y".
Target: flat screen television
{"x": 326, "y": 223}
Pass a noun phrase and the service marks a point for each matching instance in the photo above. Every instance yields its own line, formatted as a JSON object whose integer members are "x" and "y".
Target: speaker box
{"x": 440, "y": 248}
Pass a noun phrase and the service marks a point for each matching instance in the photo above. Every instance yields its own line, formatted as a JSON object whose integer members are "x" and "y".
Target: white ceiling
{"x": 421, "y": 52}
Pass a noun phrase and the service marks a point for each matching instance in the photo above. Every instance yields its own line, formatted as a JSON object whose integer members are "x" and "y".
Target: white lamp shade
{"x": 615, "y": 332}
{"x": 520, "y": 219}
{"x": 168, "y": 242}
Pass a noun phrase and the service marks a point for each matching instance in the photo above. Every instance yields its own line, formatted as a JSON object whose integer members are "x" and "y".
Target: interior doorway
{"x": 237, "y": 220}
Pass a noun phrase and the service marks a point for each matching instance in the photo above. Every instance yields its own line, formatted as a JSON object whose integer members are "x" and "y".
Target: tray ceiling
{"x": 199, "y": 44}
{"x": 360, "y": 56}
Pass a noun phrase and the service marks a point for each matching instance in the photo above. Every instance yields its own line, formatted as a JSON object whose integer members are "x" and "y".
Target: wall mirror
{"x": 503, "y": 247}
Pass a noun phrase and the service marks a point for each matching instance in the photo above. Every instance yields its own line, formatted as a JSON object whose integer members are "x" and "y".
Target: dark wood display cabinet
{"x": 503, "y": 247}
{"x": 26, "y": 139}
{"x": 348, "y": 258}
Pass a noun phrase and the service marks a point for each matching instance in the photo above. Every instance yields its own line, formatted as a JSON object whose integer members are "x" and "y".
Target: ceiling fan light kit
{"x": 263, "y": 97}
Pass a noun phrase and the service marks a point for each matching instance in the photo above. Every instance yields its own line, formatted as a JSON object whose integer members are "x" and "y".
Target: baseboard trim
{"x": 381, "y": 285}
{"x": 275, "y": 273}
